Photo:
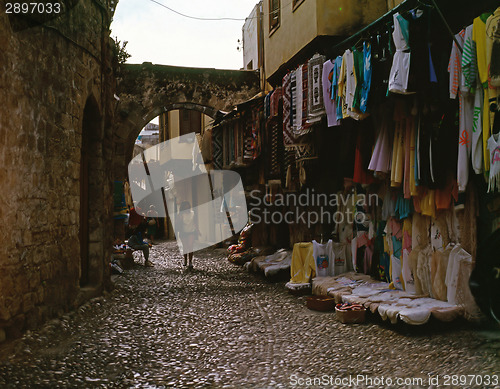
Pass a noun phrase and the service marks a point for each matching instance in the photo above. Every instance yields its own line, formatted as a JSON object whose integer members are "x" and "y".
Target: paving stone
{"x": 220, "y": 326}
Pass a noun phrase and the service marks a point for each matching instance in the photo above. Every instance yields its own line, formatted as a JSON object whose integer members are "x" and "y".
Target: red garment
{"x": 361, "y": 176}
{"x": 444, "y": 196}
{"x": 134, "y": 219}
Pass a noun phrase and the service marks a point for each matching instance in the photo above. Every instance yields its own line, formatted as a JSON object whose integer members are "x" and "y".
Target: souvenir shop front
{"x": 396, "y": 130}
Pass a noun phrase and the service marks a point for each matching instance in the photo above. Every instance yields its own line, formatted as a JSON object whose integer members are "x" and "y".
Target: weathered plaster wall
{"x": 48, "y": 73}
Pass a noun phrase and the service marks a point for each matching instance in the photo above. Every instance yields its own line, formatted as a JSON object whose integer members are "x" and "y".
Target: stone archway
{"x": 145, "y": 91}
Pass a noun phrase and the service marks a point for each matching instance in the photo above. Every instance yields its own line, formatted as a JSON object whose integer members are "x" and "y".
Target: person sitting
{"x": 135, "y": 242}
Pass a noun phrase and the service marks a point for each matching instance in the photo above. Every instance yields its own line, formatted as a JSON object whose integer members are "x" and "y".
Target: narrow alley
{"x": 220, "y": 326}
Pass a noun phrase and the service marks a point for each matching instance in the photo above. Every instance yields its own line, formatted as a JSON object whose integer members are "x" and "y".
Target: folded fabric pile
{"x": 349, "y": 307}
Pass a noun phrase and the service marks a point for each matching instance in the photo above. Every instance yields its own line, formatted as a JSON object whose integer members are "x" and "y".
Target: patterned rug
{"x": 315, "y": 98}
{"x": 303, "y": 127}
{"x": 274, "y": 142}
{"x": 217, "y": 147}
{"x": 289, "y": 139}
{"x": 305, "y": 151}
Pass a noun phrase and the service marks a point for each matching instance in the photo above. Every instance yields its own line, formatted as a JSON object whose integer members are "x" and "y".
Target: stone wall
{"x": 51, "y": 76}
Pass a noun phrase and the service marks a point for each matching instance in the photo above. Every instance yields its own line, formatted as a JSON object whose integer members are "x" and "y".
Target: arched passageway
{"x": 145, "y": 91}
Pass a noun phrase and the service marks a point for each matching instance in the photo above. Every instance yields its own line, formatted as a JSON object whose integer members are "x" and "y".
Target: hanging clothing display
{"x": 422, "y": 124}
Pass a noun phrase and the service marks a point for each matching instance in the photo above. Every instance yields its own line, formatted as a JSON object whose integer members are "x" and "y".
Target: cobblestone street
{"x": 222, "y": 327}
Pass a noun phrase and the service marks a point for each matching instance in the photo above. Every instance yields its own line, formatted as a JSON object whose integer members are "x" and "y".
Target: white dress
{"x": 400, "y": 70}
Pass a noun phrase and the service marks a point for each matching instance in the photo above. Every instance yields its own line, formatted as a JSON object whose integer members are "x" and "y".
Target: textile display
{"x": 276, "y": 97}
{"x": 275, "y": 142}
{"x": 315, "y": 94}
{"x": 293, "y": 100}
{"x": 297, "y": 101}
{"x": 305, "y": 150}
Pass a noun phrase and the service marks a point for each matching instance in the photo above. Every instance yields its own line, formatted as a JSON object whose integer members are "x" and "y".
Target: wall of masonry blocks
{"x": 48, "y": 73}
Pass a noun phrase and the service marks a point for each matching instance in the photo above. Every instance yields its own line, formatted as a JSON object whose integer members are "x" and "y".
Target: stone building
{"x": 56, "y": 114}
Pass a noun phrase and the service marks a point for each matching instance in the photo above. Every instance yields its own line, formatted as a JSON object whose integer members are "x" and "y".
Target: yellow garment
{"x": 302, "y": 268}
{"x": 398, "y": 156}
{"x": 479, "y": 37}
{"x": 428, "y": 204}
{"x": 413, "y": 185}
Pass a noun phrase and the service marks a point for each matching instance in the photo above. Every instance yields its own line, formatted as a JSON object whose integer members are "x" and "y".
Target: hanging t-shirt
{"x": 398, "y": 79}
{"x": 335, "y": 86}
{"x": 340, "y": 259}
{"x": 477, "y": 131}
{"x": 323, "y": 258}
{"x": 367, "y": 76}
{"x": 455, "y": 64}
{"x": 342, "y": 86}
{"x": 350, "y": 79}
{"x": 469, "y": 65}
{"x": 358, "y": 74}
{"x": 466, "y": 108}
{"x": 328, "y": 76}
